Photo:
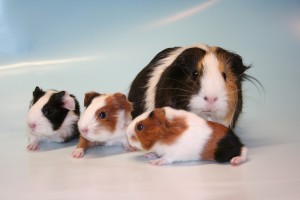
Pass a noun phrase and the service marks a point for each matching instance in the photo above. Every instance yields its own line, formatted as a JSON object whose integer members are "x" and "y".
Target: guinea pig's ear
{"x": 233, "y": 60}
{"x": 122, "y": 101}
{"x": 159, "y": 115}
{"x": 68, "y": 101}
{"x": 37, "y": 94}
{"x": 89, "y": 97}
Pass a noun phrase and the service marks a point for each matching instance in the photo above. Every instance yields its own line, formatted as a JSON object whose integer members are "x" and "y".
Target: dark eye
{"x": 139, "y": 127}
{"x": 46, "y": 111}
{"x": 102, "y": 115}
{"x": 195, "y": 75}
{"x": 224, "y": 76}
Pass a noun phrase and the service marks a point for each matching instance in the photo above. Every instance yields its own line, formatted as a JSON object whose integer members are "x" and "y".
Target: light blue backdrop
{"x": 101, "y": 45}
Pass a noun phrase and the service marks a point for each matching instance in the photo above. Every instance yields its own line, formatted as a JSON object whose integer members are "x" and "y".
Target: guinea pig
{"x": 104, "y": 121}
{"x": 202, "y": 79}
{"x": 179, "y": 135}
{"x": 52, "y": 116}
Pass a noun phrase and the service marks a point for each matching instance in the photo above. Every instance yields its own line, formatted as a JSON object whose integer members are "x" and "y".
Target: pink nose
{"x": 31, "y": 125}
{"x": 210, "y": 100}
{"x": 84, "y": 130}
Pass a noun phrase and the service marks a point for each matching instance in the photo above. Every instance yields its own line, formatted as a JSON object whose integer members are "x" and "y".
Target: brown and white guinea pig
{"x": 178, "y": 135}
{"x": 104, "y": 121}
{"x": 202, "y": 79}
{"x": 52, "y": 116}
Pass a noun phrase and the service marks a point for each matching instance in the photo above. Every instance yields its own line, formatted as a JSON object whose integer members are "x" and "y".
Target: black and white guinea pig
{"x": 202, "y": 79}
{"x": 104, "y": 121}
{"x": 52, "y": 116}
{"x": 179, "y": 135}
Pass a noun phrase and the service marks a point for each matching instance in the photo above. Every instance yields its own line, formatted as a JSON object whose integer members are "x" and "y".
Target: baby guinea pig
{"x": 104, "y": 121}
{"x": 202, "y": 79}
{"x": 52, "y": 116}
{"x": 178, "y": 135}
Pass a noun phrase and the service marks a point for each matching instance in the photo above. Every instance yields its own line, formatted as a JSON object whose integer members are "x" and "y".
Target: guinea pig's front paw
{"x": 33, "y": 147}
{"x": 78, "y": 153}
{"x": 159, "y": 161}
{"x": 129, "y": 148}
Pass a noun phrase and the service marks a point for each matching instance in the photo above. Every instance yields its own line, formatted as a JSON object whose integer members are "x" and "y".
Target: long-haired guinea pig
{"x": 178, "y": 135}
{"x": 104, "y": 121}
{"x": 52, "y": 116}
{"x": 202, "y": 79}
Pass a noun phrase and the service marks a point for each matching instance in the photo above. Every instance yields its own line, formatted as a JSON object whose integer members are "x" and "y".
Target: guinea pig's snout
{"x": 211, "y": 99}
{"x": 31, "y": 125}
{"x": 84, "y": 130}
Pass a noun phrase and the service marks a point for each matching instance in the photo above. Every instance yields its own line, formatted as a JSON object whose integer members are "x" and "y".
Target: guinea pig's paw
{"x": 159, "y": 161}
{"x": 129, "y": 148}
{"x": 33, "y": 147}
{"x": 150, "y": 155}
{"x": 78, "y": 153}
{"x": 235, "y": 161}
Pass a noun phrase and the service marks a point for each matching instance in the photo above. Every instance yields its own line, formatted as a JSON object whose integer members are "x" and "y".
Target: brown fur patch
{"x": 113, "y": 105}
{"x": 156, "y": 128}
{"x": 83, "y": 143}
{"x": 89, "y": 97}
{"x": 210, "y": 147}
{"x": 224, "y": 58}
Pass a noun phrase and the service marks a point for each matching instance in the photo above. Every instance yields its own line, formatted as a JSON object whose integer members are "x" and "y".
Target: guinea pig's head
{"x": 105, "y": 116}
{"x": 147, "y": 129}
{"x": 208, "y": 83}
{"x": 48, "y": 110}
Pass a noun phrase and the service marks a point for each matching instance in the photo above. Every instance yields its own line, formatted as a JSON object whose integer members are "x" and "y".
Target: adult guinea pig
{"x": 202, "y": 79}
{"x": 104, "y": 121}
{"x": 52, "y": 116}
{"x": 178, "y": 135}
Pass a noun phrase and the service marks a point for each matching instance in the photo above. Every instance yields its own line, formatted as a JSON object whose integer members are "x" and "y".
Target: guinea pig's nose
{"x": 31, "y": 125}
{"x": 210, "y": 99}
{"x": 84, "y": 130}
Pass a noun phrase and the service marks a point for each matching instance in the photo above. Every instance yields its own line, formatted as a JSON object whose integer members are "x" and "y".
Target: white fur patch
{"x": 35, "y": 115}
{"x": 212, "y": 86}
{"x": 157, "y": 72}
{"x": 191, "y": 143}
{"x": 98, "y": 133}
{"x": 87, "y": 118}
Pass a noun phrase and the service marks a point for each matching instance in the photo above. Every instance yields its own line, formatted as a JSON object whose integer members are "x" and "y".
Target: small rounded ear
{"x": 68, "y": 101}
{"x": 123, "y": 102}
{"x": 89, "y": 97}
{"x": 159, "y": 115}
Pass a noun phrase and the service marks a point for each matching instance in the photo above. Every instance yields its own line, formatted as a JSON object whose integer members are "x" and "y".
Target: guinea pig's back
{"x": 137, "y": 93}
{"x": 222, "y": 145}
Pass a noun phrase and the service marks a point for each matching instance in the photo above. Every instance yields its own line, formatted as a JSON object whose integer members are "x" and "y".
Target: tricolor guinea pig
{"x": 177, "y": 135}
{"x": 202, "y": 79}
{"x": 104, "y": 121}
{"x": 52, "y": 116}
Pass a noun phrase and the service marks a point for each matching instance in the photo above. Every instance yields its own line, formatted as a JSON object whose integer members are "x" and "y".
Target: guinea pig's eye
{"x": 46, "y": 111}
{"x": 102, "y": 115}
{"x": 195, "y": 75}
{"x": 139, "y": 127}
{"x": 224, "y": 76}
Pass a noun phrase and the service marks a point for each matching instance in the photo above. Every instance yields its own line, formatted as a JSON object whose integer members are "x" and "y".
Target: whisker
{"x": 176, "y": 89}
{"x": 191, "y": 87}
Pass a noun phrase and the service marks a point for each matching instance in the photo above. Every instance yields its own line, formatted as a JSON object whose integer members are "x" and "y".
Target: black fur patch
{"x": 138, "y": 87}
{"x": 54, "y": 111}
{"x": 180, "y": 80}
{"x": 37, "y": 94}
{"x": 228, "y": 147}
{"x": 235, "y": 62}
